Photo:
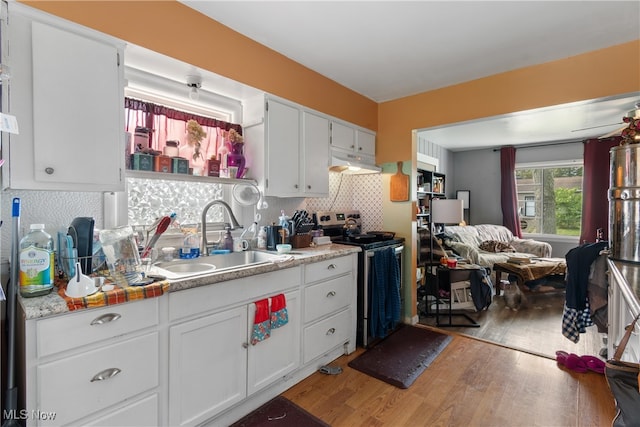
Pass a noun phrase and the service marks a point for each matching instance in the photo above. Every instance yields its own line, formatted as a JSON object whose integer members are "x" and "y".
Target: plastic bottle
{"x": 262, "y": 238}
{"x": 190, "y": 246}
{"x": 284, "y": 223}
{"x": 228, "y": 240}
{"x": 37, "y": 265}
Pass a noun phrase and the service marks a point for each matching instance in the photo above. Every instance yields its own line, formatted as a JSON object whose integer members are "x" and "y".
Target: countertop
{"x": 53, "y": 304}
{"x": 628, "y": 276}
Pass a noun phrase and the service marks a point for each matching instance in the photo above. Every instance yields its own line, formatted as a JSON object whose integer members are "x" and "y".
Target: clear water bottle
{"x": 262, "y": 238}
{"x": 37, "y": 265}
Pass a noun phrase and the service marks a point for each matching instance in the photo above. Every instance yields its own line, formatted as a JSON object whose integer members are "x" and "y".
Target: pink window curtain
{"x": 595, "y": 187}
{"x": 508, "y": 191}
{"x": 168, "y": 124}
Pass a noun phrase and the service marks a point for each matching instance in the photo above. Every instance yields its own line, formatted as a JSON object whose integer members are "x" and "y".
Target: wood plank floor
{"x": 471, "y": 383}
{"x": 536, "y": 327}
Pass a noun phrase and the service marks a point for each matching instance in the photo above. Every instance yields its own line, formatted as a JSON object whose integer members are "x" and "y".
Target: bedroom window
{"x": 550, "y": 198}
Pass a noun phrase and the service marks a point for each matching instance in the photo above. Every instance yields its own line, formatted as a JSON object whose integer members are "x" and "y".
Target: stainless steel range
{"x": 345, "y": 227}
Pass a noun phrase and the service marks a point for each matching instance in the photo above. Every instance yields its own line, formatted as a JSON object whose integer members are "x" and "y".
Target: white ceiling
{"x": 390, "y": 49}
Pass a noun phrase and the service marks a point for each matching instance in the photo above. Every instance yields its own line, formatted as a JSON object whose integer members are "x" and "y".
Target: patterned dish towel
{"x": 115, "y": 296}
{"x": 262, "y": 324}
{"x": 279, "y": 315}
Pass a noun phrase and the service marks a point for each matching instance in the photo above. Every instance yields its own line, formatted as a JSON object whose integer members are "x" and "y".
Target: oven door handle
{"x": 398, "y": 250}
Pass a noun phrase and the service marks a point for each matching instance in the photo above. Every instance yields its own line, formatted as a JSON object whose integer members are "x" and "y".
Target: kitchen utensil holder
{"x": 301, "y": 240}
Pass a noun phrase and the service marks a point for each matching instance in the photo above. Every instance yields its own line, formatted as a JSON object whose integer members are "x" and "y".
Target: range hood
{"x": 352, "y": 164}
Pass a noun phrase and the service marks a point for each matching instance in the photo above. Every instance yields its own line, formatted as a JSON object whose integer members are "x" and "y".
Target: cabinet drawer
{"x": 325, "y": 335}
{"x": 324, "y": 269}
{"x": 327, "y": 297}
{"x": 211, "y": 297}
{"x": 143, "y": 413}
{"x": 73, "y": 330}
{"x": 84, "y": 393}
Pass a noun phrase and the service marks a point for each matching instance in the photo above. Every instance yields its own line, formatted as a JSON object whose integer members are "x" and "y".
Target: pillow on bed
{"x": 495, "y": 246}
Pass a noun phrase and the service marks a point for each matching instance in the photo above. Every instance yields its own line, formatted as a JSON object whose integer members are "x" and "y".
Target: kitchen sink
{"x": 183, "y": 268}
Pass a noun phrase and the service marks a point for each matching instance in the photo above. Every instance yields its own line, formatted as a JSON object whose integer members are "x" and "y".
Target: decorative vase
{"x": 236, "y": 158}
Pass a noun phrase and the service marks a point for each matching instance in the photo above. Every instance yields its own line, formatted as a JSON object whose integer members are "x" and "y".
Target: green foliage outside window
{"x": 550, "y": 199}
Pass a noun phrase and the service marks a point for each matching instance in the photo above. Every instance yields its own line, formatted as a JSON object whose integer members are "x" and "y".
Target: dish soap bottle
{"x": 190, "y": 245}
{"x": 284, "y": 223}
{"x": 228, "y": 240}
{"x": 37, "y": 263}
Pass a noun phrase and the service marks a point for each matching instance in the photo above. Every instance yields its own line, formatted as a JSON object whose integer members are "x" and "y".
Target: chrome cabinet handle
{"x": 331, "y": 331}
{"x": 295, "y": 186}
{"x": 308, "y": 187}
{"x": 331, "y": 267}
{"x": 105, "y": 318}
{"x": 106, "y": 374}
{"x": 245, "y": 345}
{"x": 49, "y": 170}
{"x": 331, "y": 294}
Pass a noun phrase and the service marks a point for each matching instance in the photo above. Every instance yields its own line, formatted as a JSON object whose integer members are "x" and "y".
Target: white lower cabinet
{"x": 142, "y": 413}
{"x": 327, "y": 334}
{"x": 329, "y": 296}
{"x": 207, "y": 371}
{"x": 275, "y": 357}
{"x": 212, "y": 364}
{"x": 186, "y": 358}
{"x": 87, "y": 381}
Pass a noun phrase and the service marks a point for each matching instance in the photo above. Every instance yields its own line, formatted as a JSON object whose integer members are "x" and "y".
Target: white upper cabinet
{"x": 352, "y": 139}
{"x": 283, "y": 148}
{"x": 67, "y": 93}
{"x": 287, "y": 148}
{"x": 366, "y": 142}
{"x": 315, "y": 156}
{"x": 343, "y": 136}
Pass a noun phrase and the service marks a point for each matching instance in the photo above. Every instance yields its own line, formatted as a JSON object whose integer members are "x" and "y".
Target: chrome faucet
{"x": 204, "y": 246}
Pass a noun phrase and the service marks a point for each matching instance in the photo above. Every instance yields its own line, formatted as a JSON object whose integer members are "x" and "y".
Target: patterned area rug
{"x": 400, "y": 358}
{"x": 280, "y": 412}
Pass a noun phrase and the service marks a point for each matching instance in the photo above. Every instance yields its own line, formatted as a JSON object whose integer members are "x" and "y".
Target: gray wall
{"x": 479, "y": 172}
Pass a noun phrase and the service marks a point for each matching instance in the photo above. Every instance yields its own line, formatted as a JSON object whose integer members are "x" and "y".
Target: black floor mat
{"x": 280, "y": 412}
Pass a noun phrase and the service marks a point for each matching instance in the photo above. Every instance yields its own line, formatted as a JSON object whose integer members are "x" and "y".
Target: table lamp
{"x": 446, "y": 211}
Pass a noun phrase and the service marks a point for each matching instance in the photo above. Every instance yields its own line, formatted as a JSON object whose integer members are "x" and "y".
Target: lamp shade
{"x": 447, "y": 211}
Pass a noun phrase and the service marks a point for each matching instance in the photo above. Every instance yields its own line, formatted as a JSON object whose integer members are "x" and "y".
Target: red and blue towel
{"x": 271, "y": 313}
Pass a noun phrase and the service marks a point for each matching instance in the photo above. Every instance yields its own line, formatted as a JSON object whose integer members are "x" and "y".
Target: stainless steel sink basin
{"x": 182, "y": 268}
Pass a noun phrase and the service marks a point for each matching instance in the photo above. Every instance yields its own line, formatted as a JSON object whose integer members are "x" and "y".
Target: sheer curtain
{"x": 168, "y": 124}
{"x": 595, "y": 187}
{"x": 508, "y": 190}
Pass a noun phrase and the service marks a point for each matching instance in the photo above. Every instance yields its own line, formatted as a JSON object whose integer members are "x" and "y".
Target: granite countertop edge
{"x": 53, "y": 304}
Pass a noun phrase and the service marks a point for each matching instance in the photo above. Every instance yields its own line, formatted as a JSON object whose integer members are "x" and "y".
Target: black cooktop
{"x": 379, "y": 243}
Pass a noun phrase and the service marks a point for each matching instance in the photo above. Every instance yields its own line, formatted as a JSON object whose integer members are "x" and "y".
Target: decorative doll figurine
{"x": 192, "y": 149}
{"x": 236, "y": 157}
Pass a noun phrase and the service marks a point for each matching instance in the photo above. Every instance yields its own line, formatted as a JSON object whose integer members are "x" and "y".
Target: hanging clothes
{"x": 577, "y": 311}
{"x": 481, "y": 289}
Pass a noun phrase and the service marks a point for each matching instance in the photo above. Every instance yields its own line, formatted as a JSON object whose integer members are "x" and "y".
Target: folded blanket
{"x": 279, "y": 315}
{"x": 262, "y": 323}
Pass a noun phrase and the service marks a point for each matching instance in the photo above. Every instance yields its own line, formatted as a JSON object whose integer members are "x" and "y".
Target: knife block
{"x": 301, "y": 240}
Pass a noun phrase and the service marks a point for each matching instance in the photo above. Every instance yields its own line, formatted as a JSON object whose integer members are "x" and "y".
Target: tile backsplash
{"x": 149, "y": 199}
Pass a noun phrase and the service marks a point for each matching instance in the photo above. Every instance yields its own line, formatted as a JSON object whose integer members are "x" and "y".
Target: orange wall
{"x": 611, "y": 71}
{"x": 170, "y": 28}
